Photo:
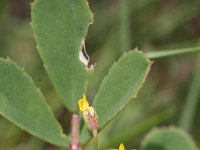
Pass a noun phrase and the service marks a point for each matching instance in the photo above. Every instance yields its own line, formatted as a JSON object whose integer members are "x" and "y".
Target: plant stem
{"x": 125, "y": 25}
{"x": 165, "y": 53}
{"x": 75, "y": 124}
{"x": 95, "y": 139}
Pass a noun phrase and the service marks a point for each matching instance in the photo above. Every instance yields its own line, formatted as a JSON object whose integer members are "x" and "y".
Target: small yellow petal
{"x": 121, "y": 147}
{"x": 83, "y": 104}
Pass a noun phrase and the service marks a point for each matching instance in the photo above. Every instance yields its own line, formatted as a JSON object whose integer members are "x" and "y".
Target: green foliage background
{"x": 172, "y": 87}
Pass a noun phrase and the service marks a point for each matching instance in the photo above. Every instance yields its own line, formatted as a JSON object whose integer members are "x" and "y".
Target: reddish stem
{"x": 75, "y": 123}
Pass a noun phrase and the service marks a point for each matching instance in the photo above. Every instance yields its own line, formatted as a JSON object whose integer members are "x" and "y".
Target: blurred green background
{"x": 169, "y": 96}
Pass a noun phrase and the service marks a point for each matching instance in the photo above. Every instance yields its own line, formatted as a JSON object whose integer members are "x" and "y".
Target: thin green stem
{"x": 165, "y": 53}
{"x": 125, "y": 25}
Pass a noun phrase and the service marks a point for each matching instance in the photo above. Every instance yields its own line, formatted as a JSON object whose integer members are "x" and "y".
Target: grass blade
{"x": 166, "y": 53}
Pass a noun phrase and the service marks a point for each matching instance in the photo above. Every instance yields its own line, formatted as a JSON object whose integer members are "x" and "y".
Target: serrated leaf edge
{"x": 147, "y": 72}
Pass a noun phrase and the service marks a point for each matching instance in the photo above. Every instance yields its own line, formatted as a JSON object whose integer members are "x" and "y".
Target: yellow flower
{"x": 121, "y": 146}
{"x": 89, "y": 114}
{"x": 83, "y": 104}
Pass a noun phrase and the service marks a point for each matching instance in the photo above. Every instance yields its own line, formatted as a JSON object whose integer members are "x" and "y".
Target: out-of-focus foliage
{"x": 168, "y": 139}
{"x": 119, "y": 25}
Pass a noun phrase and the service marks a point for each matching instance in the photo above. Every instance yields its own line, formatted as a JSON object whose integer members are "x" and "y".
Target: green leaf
{"x": 168, "y": 139}
{"x": 166, "y": 53}
{"x": 23, "y": 104}
{"x": 122, "y": 83}
{"x": 60, "y": 28}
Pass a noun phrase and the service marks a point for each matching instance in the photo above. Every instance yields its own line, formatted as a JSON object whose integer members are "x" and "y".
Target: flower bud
{"x": 89, "y": 114}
